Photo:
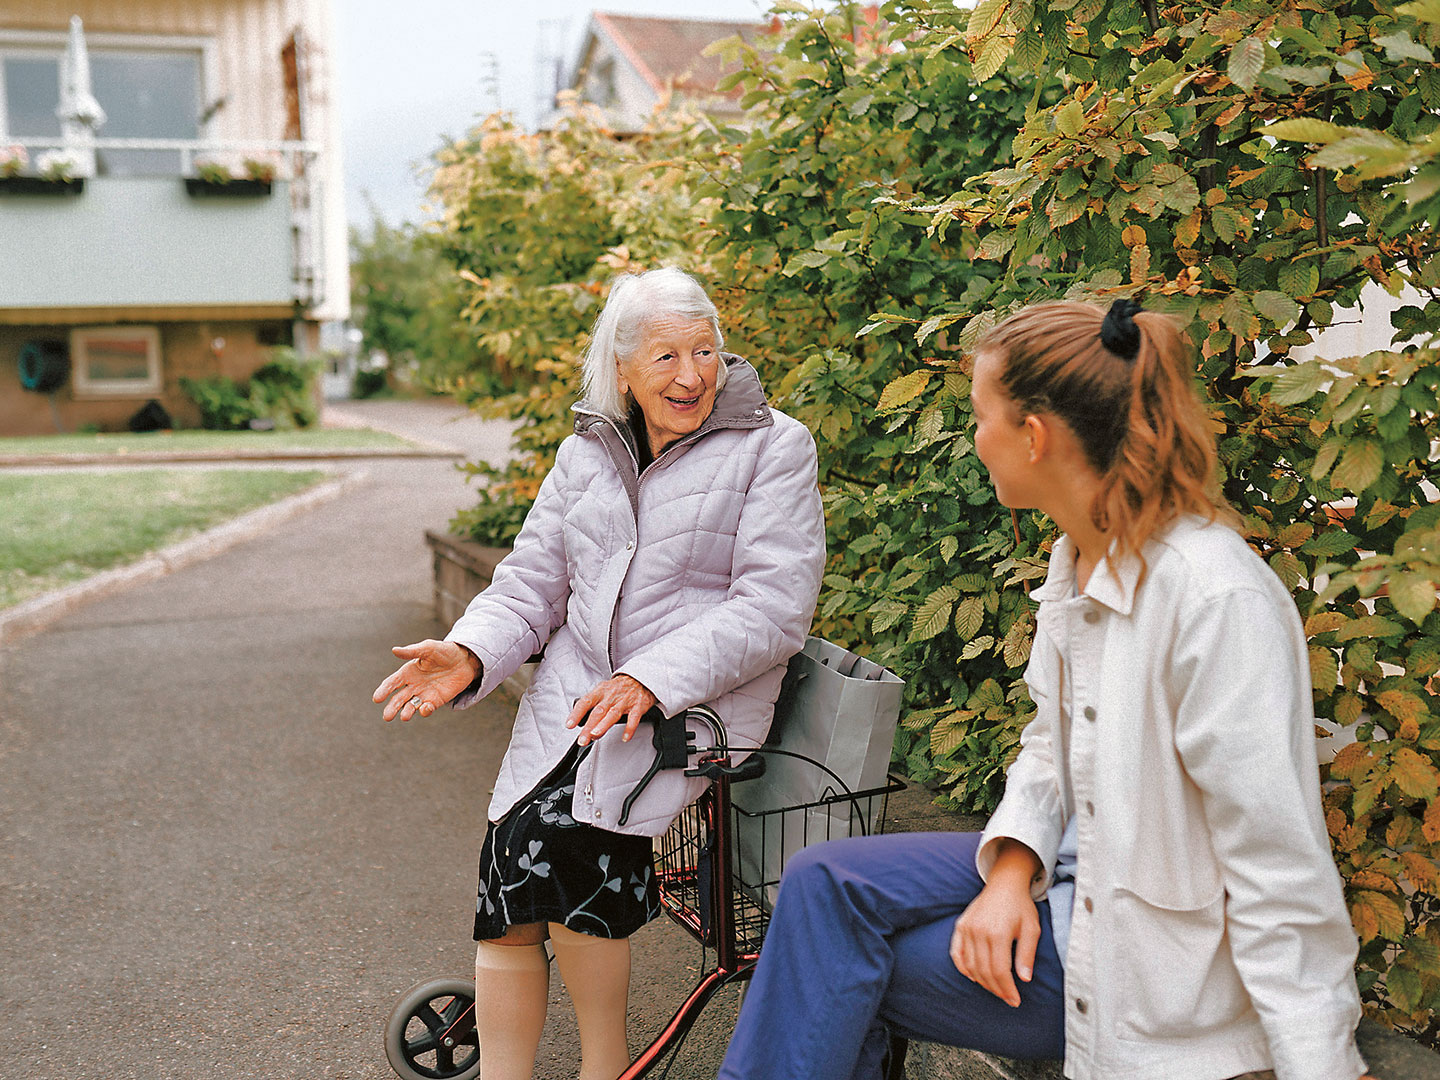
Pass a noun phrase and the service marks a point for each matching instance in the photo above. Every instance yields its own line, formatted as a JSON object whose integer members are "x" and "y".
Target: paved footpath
{"x": 216, "y": 859}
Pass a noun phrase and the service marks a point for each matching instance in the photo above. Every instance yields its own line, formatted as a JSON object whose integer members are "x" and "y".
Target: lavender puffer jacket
{"x": 698, "y": 579}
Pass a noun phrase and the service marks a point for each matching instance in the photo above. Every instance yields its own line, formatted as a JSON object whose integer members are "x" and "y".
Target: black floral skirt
{"x": 538, "y": 864}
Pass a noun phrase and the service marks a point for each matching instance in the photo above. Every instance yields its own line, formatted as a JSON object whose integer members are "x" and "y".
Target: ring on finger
{"x": 415, "y": 702}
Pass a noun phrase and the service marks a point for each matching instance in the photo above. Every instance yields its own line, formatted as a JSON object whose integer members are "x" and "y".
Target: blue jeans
{"x": 859, "y": 946}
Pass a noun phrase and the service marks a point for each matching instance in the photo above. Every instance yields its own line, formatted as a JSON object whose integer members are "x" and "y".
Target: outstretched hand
{"x": 1000, "y": 924}
{"x": 434, "y": 672}
{"x": 617, "y": 698}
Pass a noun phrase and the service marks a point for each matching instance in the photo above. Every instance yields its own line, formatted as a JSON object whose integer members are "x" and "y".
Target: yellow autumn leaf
{"x": 1350, "y": 762}
{"x": 1414, "y": 774}
{"x": 1375, "y": 914}
{"x": 904, "y": 389}
{"x": 1430, "y": 827}
{"x": 1422, "y": 872}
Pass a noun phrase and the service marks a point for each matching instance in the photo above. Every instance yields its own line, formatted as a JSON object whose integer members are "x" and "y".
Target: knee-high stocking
{"x": 596, "y": 971}
{"x": 512, "y": 987}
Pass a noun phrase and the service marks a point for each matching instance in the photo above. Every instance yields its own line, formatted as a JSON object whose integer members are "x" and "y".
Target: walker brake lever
{"x": 673, "y": 742}
{"x": 713, "y": 769}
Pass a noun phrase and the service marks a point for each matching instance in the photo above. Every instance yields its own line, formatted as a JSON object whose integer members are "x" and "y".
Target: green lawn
{"x": 58, "y": 528}
{"x": 128, "y": 443}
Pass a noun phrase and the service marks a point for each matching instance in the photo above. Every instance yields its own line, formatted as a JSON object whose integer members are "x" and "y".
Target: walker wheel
{"x": 431, "y": 1034}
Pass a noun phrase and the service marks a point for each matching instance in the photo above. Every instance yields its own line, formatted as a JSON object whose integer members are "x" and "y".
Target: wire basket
{"x": 762, "y": 841}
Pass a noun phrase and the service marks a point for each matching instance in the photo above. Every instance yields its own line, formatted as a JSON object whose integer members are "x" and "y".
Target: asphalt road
{"x": 216, "y": 859}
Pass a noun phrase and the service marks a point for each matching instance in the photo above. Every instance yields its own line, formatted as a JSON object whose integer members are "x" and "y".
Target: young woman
{"x": 1157, "y": 877}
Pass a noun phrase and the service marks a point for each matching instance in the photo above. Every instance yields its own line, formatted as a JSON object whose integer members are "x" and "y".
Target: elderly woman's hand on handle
{"x": 434, "y": 672}
{"x": 617, "y": 698}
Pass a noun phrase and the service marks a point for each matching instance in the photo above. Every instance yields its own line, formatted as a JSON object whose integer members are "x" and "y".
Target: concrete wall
{"x": 185, "y": 350}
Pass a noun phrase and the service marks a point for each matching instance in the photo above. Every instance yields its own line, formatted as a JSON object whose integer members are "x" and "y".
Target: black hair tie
{"x": 1118, "y": 332}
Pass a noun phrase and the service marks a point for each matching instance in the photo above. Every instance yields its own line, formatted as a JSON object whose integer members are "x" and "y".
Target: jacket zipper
{"x": 634, "y": 510}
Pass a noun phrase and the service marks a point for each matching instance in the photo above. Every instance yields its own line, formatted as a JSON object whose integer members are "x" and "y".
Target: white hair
{"x": 635, "y": 299}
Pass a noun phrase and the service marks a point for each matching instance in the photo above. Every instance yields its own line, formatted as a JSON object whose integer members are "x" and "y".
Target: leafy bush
{"x": 368, "y": 382}
{"x": 282, "y": 391}
{"x": 224, "y": 406}
{"x": 1156, "y": 174}
{"x": 409, "y": 305}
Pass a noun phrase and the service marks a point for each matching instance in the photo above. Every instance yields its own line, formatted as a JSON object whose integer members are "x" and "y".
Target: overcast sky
{"x": 415, "y": 71}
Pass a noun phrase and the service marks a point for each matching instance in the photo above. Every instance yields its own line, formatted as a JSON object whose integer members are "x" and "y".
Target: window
{"x": 31, "y": 86}
{"x": 119, "y": 361}
{"x": 147, "y": 93}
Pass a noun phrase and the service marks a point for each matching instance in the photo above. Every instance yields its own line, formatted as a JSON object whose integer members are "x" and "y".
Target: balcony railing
{"x": 297, "y": 162}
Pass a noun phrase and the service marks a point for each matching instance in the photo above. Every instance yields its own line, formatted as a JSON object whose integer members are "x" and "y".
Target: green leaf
{"x": 932, "y": 615}
{"x": 805, "y": 259}
{"x": 987, "y": 695}
{"x": 1247, "y": 60}
{"x": 976, "y": 647}
{"x": 1299, "y": 279}
{"x": 1290, "y": 570}
{"x": 1299, "y": 383}
{"x": 1413, "y": 595}
{"x": 968, "y": 617}
{"x": 1307, "y": 129}
{"x": 996, "y": 245}
{"x": 1330, "y": 543}
{"x": 1277, "y": 307}
{"x": 1029, "y": 51}
{"x": 1070, "y": 118}
{"x": 934, "y": 324}
{"x": 1400, "y": 46}
{"x": 861, "y": 105}
{"x": 985, "y": 17}
{"x": 1326, "y": 456}
{"x": 990, "y": 59}
{"x": 1368, "y": 626}
{"x": 1324, "y": 669}
{"x": 1359, "y": 466}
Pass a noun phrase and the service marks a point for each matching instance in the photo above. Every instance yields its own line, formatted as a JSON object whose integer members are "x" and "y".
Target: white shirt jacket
{"x": 1210, "y": 935}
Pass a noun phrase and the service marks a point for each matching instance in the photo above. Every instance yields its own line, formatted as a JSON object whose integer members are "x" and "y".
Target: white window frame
{"x": 85, "y": 387}
{"x": 53, "y": 42}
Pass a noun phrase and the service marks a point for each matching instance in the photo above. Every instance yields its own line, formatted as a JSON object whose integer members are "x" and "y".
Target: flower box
{"x": 39, "y": 185}
{"x": 241, "y": 187}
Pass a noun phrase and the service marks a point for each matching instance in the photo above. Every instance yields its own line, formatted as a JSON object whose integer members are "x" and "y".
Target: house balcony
{"x": 156, "y": 246}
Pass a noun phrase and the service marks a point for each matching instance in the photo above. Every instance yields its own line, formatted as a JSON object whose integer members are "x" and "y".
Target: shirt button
{"x": 630, "y": 546}
{"x": 1090, "y": 808}
{"x": 1081, "y": 1007}
{"x": 597, "y": 812}
{"x": 1089, "y": 712}
{"x": 1092, "y": 616}
{"x": 1089, "y": 904}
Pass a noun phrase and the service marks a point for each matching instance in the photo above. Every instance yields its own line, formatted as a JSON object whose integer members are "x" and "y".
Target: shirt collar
{"x": 1115, "y": 588}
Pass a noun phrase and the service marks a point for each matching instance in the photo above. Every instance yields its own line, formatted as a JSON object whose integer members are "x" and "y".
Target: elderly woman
{"x": 672, "y": 558}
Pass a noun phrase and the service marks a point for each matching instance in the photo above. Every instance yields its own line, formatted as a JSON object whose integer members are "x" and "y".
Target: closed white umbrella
{"x": 80, "y": 114}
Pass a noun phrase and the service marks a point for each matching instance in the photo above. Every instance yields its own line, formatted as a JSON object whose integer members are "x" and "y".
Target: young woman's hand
{"x": 615, "y": 699}
{"x": 1000, "y": 924}
{"x": 434, "y": 672}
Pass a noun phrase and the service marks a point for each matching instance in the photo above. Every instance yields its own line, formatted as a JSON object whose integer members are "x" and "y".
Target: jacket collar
{"x": 739, "y": 404}
{"x": 1111, "y": 585}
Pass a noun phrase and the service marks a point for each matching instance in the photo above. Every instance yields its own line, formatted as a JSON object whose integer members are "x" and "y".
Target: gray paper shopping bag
{"x": 835, "y": 708}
